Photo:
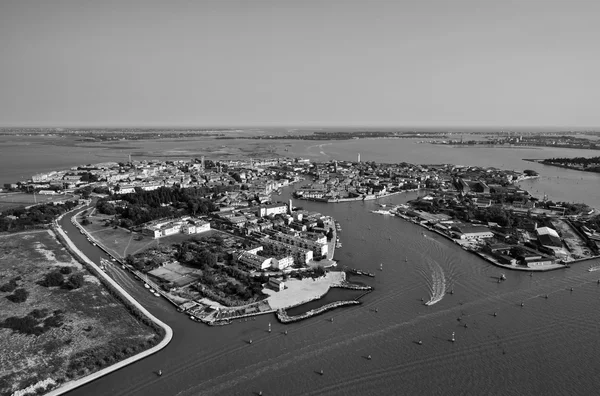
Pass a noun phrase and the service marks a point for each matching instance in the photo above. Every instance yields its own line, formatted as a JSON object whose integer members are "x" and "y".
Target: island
{"x": 591, "y": 164}
{"x": 213, "y": 237}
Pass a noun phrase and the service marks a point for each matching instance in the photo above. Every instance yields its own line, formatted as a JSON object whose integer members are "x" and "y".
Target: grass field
{"x": 15, "y": 200}
{"x": 82, "y": 330}
{"x": 120, "y": 242}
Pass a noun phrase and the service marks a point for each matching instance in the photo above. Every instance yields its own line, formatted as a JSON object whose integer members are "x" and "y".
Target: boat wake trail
{"x": 438, "y": 283}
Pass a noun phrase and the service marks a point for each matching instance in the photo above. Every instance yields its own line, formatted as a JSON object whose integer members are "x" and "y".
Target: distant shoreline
{"x": 540, "y": 161}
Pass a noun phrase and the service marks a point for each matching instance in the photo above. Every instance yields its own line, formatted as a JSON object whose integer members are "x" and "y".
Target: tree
{"x": 54, "y": 278}
{"x": 9, "y": 287}
{"x": 129, "y": 260}
{"x": 75, "y": 281}
{"x": 330, "y": 234}
{"x": 20, "y": 295}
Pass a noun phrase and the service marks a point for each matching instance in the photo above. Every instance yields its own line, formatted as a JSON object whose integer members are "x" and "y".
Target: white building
{"x": 276, "y": 284}
{"x": 185, "y": 225}
{"x": 475, "y": 232}
{"x": 284, "y": 262}
{"x": 272, "y": 209}
{"x": 256, "y": 261}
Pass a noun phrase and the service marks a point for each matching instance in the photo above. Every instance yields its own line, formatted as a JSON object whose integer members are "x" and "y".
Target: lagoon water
{"x": 548, "y": 346}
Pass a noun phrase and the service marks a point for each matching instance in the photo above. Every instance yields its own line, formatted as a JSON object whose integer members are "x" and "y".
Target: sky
{"x": 300, "y": 63}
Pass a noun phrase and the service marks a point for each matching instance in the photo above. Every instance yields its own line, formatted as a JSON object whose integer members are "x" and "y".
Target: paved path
{"x": 168, "y": 331}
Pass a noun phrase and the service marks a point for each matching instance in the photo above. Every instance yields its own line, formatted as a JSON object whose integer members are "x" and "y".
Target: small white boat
{"x": 147, "y": 286}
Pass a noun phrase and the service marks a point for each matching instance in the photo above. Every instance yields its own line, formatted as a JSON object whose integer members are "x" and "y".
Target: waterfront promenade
{"x": 68, "y": 386}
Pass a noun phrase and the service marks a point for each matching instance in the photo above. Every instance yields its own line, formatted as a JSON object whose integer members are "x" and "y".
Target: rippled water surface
{"x": 547, "y": 346}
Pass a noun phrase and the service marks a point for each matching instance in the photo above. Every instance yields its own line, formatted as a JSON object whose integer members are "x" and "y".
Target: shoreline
{"x": 479, "y": 254}
{"x": 539, "y": 161}
{"x": 69, "y": 386}
{"x": 355, "y": 199}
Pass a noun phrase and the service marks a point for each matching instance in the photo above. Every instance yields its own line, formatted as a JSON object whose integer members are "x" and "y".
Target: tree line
{"x": 35, "y": 217}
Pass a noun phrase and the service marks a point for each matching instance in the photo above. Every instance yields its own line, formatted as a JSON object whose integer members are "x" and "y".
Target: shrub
{"x": 75, "y": 281}
{"x": 54, "y": 278}
{"x": 66, "y": 270}
{"x": 19, "y": 296}
{"x": 53, "y": 321}
{"x": 9, "y": 287}
{"x": 25, "y": 325}
{"x": 39, "y": 313}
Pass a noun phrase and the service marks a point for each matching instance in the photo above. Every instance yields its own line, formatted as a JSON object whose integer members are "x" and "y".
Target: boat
{"x": 159, "y": 373}
{"x": 383, "y": 212}
{"x": 592, "y": 269}
{"x": 502, "y": 277}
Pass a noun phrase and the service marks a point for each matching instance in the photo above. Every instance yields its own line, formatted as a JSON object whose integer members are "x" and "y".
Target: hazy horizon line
{"x": 404, "y": 128}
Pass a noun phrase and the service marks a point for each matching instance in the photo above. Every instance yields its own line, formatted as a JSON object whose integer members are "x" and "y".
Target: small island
{"x": 591, "y": 164}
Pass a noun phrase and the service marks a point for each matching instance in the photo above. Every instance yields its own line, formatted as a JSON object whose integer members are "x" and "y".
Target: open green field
{"x": 57, "y": 333}
{"x": 120, "y": 242}
{"x": 15, "y": 200}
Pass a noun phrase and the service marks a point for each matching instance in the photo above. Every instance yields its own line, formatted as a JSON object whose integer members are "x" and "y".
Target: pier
{"x": 283, "y": 317}
{"x": 355, "y": 271}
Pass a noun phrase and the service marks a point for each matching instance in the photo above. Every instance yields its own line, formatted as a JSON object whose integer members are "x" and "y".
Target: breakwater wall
{"x": 355, "y": 271}
{"x": 283, "y": 317}
{"x": 351, "y": 286}
{"x": 129, "y": 302}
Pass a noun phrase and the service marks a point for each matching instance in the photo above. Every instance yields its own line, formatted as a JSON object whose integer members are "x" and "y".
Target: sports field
{"x": 15, "y": 200}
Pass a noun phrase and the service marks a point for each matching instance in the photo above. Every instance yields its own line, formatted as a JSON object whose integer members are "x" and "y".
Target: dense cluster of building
{"x": 536, "y": 140}
{"x": 257, "y": 177}
{"x": 282, "y": 237}
{"x": 537, "y": 236}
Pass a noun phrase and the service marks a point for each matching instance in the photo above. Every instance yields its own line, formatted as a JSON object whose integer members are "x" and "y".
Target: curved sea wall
{"x": 129, "y": 300}
{"x": 283, "y": 317}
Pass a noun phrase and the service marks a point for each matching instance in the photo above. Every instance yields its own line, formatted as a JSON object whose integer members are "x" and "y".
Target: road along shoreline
{"x": 69, "y": 386}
